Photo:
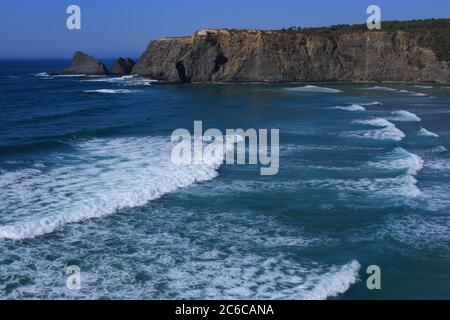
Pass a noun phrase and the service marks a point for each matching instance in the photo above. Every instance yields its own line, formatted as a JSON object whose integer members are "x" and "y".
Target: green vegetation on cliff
{"x": 433, "y": 33}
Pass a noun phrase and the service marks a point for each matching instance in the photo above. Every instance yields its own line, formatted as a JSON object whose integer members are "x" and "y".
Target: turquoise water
{"x": 86, "y": 179}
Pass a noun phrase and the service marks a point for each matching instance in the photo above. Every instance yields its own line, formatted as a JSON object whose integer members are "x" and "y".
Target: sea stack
{"x": 86, "y": 64}
{"x": 122, "y": 67}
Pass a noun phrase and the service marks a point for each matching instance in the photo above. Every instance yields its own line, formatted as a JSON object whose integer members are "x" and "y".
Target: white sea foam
{"x": 69, "y": 75}
{"x": 403, "y": 185}
{"x": 353, "y": 107}
{"x": 424, "y": 132}
{"x": 412, "y": 93}
{"x": 419, "y": 94}
{"x": 404, "y": 116}
{"x": 47, "y": 75}
{"x": 423, "y": 87}
{"x": 376, "y": 122}
{"x": 211, "y": 255}
{"x": 241, "y": 277}
{"x": 311, "y": 88}
{"x": 106, "y": 175}
{"x": 112, "y": 91}
{"x": 368, "y": 104}
{"x": 432, "y": 232}
{"x": 335, "y": 282}
{"x": 439, "y": 164}
{"x": 439, "y": 149}
{"x": 41, "y": 74}
{"x": 400, "y": 159}
{"x": 380, "y": 88}
{"x": 130, "y": 80}
{"x": 387, "y": 131}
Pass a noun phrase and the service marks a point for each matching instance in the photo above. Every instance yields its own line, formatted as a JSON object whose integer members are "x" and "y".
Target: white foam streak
{"x": 335, "y": 282}
{"x": 368, "y": 104}
{"x": 400, "y": 159}
{"x": 439, "y": 149}
{"x": 105, "y": 176}
{"x": 404, "y": 185}
{"x": 388, "y": 89}
{"x": 130, "y": 80}
{"x": 387, "y": 131}
{"x": 405, "y": 116}
{"x": 378, "y": 88}
{"x": 424, "y": 132}
{"x": 353, "y": 107}
{"x": 313, "y": 89}
{"x": 110, "y": 91}
{"x": 423, "y": 87}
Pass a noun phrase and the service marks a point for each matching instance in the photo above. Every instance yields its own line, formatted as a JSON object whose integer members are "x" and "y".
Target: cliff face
{"x": 280, "y": 56}
{"x": 122, "y": 66}
{"x": 85, "y": 64}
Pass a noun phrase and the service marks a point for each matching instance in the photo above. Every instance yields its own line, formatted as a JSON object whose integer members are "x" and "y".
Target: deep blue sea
{"x": 86, "y": 179}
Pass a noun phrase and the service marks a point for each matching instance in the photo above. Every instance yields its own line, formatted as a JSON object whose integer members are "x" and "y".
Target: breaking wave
{"x": 368, "y": 104}
{"x": 130, "y": 80}
{"x": 353, "y": 107}
{"x": 424, "y": 132}
{"x": 105, "y": 175}
{"x": 400, "y": 159}
{"x": 412, "y": 93}
{"x": 405, "y": 116}
{"x": 423, "y": 87}
{"x": 378, "y": 88}
{"x": 439, "y": 149}
{"x": 388, "y": 89}
{"x": 403, "y": 185}
{"x": 238, "y": 276}
{"x": 111, "y": 91}
{"x": 313, "y": 89}
{"x": 387, "y": 130}
{"x": 336, "y": 282}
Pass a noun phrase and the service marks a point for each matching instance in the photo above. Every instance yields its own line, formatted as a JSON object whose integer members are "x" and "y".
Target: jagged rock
{"x": 160, "y": 59}
{"x": 122, "y": 66}
{"x": 281, "y": 56}
{"x": 85, "y": 64}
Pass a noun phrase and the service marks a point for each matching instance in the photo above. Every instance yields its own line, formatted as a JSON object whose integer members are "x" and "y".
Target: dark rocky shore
{"x": 407, "y": 51}
{"x": 122, "y": 66}
{"x": 83, "y": 63}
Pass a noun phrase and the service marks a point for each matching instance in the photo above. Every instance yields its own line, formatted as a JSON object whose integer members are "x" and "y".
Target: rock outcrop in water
{"x": 294, "y": 56}
{"x": 122, "y": 66}
{"x": 85, "y": 64}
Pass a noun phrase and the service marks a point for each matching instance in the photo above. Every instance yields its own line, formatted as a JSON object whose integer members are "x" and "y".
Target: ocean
{"x": 86, "y": 180}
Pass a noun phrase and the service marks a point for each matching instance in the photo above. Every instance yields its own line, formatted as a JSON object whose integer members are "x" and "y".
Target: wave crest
{"x": 387, "y": 131}
{"x": 106, "y": 175}
{"x": 313, "y": 89}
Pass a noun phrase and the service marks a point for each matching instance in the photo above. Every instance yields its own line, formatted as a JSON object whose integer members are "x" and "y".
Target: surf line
{"x": 220, "y": 148}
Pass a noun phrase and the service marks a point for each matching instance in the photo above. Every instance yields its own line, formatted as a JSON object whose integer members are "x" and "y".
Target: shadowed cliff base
{"x": 402, "y": 51}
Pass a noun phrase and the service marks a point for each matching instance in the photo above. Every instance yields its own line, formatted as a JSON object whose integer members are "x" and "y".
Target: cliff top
{"x": 439, "y": 28}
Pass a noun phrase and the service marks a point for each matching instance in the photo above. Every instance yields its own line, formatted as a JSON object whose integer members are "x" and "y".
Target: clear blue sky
{"x": 37, "y": 28}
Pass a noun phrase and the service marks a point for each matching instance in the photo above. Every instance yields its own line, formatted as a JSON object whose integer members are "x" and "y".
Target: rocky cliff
{"x": 85, "y": 64}
{"x": 122, "y": 66}
{"x": 294, "y": 56}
